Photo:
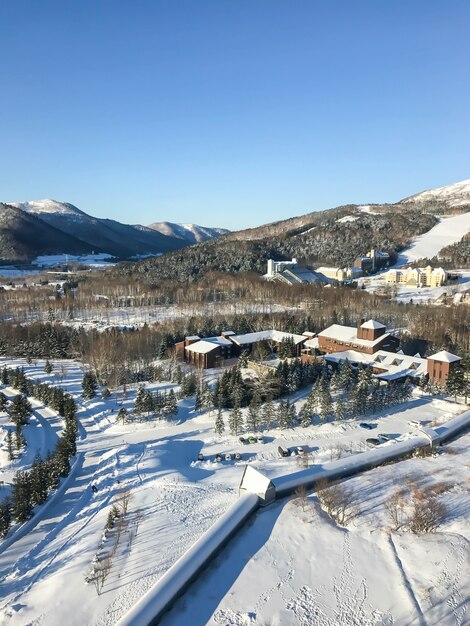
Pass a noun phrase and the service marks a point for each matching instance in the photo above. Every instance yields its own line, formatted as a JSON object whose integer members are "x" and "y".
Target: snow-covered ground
{"x": 90, "y": 260}
{"x": 449, "y": 230}
{"x": 298, "y": 567}
{"x": 175, "y": 498}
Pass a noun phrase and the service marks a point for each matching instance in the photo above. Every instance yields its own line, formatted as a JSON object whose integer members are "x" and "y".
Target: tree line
{"x": 31, "y": 487}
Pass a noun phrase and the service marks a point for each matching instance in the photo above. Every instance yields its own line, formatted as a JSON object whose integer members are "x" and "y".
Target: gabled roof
{"x": 348, "y": 334}
{"x": 275, "y": 335}
{"x": 209, "y": 344}
{"x": 444, "y": 356}
{"x": 372, "y": 324}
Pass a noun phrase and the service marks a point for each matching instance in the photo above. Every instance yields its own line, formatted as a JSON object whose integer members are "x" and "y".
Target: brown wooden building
{"x": 367, "y": 337}
{"x": 439, "y": 366}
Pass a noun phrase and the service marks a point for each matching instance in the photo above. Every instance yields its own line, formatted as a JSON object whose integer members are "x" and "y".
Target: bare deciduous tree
{"x": 337, "y": 500}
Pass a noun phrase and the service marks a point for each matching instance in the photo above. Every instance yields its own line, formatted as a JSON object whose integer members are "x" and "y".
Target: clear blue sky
{"x": 231, "y": 113}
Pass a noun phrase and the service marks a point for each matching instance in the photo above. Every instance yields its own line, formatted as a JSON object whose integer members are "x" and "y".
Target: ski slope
{"x": 449, "y": 230}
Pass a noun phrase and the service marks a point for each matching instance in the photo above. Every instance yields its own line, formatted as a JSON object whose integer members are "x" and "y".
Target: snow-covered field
{"x": 449, "y": 230}
{"x": 291, "y": 566}
{"x": 281, "y": 566}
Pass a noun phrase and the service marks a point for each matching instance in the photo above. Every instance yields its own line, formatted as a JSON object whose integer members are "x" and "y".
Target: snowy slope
{"x": 192, "y": 233}
{"x": 48, "y": 207}
{"x": 454, "y": 195}
{"x": 449, "y": 230}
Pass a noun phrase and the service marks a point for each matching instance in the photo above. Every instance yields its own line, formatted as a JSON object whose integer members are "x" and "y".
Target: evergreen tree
{"x": 235, "y": 421}
{"x": 3, "y": 401}
{"x": 19, "y": 441}
{"x": 325, "y": 403}
{"x": 20, "y": 410}
{"x": 283, "y": 414}
{"x": 171, "y": 407}
{"x": 219, "y": 423}
{"x": 456, "y": 382}
{"x": 340, "y": 409}
{"x": 22, "y": 506}
{"x": 345, "y": 376}
{"x": 5, "y": 516}
{"x": 253, "y": 418}
{"x": 122, "y": 415}
{"x": 48, "y": 367}
{"x": 62, "y": 456}
{"x": 207, "y": 398}
{"x": 5, "y": 376}
{"x": 89, "y": 385}
{"x": 243, "y": 360}
{"x": 9, "y": 439}
{"x": 38, "y": 481}
{"x": 268, "y": 415}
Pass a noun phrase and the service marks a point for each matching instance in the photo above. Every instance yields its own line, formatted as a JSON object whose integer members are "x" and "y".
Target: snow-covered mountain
{"x": 455, "y": 195}
{"x": 192, "y": 233}
{"x": 88, "y": 233}
{"x": 43, "y": 208}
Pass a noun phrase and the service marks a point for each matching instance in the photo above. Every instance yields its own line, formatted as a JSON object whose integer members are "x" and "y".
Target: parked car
{"x": 243, "y": 440}
{"x": 228, "y": 456}
{"x": 260, "y": 439}
{"x": 252, "y": 439}
{"x": 218, "y": 458}
{"x": 200, "y": 457}
{"x": 237, "y": 456}
{"x": 367, "y": 425}
{"x": 283, "y": 451}
{"x": 384, "y": 436}
{"x": 373, "y": 441}
{"x": 416, "y": 423}
{"x": 299, "y": 450}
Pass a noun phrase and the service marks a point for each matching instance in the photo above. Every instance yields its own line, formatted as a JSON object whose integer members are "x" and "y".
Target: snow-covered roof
{"x": 372, "y": 324}
{"x": 395, "y": 366}
{"x": 311, "y": 343}
{"x": 274, "y": 335}
{"x": 444, "y": 356}
{"x": 193, "y": 337}
{"x": 207, "y": 345}
{"x": 348, "y": 334}
{"x": 255, "y": 482}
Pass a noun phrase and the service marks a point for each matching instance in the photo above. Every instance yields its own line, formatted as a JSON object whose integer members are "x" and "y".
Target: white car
{"x": 416, "y": 423}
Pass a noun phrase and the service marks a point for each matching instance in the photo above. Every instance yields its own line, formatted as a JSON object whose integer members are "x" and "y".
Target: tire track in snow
{"x": 406, "y": 581}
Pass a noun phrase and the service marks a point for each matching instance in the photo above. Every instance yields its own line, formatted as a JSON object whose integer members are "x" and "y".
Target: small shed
{"x": 255, "y": 482}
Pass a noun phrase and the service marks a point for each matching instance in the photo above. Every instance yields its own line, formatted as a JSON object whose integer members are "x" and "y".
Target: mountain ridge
{"x": 82, "y": 233}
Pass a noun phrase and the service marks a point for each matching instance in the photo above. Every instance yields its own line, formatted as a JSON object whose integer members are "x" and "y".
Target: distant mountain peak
{"x": 191, "y": 233}
{"x": 454, "y": 195}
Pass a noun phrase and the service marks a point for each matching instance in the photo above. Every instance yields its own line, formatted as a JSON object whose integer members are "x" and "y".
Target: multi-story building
{"x": 367, "y": 337}
{"x": 340, "y": 274}
{"x": 291, "y": 273}
{"x": 372, "y": 262}
{"x": 417, "y": 277}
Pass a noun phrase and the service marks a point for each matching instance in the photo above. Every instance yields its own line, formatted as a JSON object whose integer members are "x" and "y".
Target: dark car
{"x": 200, "y": 457}
{"x": 373, "y": 441}
{"x": 367, "y": 425}
{"x": 218, "y": 458}
{"x": 243, "y": 440}
{"x": 237, "y": 456}
{"x": 283, "y": 451}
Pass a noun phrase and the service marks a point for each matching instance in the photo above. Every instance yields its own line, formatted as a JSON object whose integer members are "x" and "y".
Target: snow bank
{"x": 175, "y": 581}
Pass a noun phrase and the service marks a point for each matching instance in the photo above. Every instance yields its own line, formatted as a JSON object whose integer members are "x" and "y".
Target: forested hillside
{"x": 319, "y": 238}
